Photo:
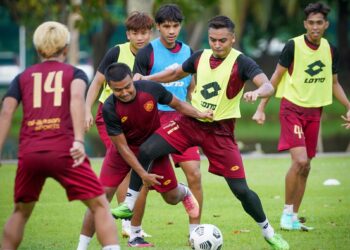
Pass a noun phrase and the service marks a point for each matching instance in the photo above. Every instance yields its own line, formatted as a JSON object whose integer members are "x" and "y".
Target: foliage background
{"x": 262, "y": 27}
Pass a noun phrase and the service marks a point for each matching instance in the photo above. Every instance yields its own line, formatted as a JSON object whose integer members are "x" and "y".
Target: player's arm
{"x": 8, "y": 108}
{"x": 77, "y": 111}
{"x": 190, "y": 88}
{"x": 339, "y": 93}
{"x": 264, "y": 90}
{"x": 91, "y": 97}
{"x": 285, "y": 60}
{"x": 128, "y": 155}
{"x": 111, "y": 56}
{"x": 167, "y": 75}
{"x": 259, "y": 115}
{"x": 188, "y": 110}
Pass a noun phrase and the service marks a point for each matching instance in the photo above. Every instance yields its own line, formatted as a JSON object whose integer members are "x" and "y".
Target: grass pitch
{"x": 55, "y": 223}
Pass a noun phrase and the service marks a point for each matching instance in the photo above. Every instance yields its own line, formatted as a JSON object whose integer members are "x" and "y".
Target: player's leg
{"x": 136, "y": 232}
{"x": 225, "y": 160}
{"x": 189, "y": 161}
{"x": 121, "y": 193}
{"x": 14, "y": 227}
{"x": 30, "y": 178}
{"x": 295, "y": 185}
{"x": 106, "y": 230}
{"x": 155, "y": 146}
{"x": 113, "y": 171}
{"x": 300, "y": 137}
{"x": 192, "y": 172}
{"x": 101, "y": 127}
{"x": 88, "y": 227}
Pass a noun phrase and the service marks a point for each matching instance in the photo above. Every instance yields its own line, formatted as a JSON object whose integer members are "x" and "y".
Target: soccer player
{"x": 52, "y": 137}
{"x": 157, "y": 56}
{"x": 306, "y": 76}
{"x": 138, "y": 31}
{"x": 221, "y": 73}
{"x": 131, "y": 116}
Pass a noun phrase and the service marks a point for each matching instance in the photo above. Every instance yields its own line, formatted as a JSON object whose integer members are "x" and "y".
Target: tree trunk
{"x": 137, "y": 5}
{"x": 100, "y": 42}
{"x": 343, "y": 34}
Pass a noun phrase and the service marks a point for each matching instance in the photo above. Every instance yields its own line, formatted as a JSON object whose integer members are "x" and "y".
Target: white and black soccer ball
{"x": 206, "y": 237}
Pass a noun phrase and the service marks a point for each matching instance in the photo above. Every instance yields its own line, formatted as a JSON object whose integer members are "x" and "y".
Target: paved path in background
{"x": 252, "y": 155}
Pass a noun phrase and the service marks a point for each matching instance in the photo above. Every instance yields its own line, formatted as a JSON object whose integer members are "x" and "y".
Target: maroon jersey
{"x": 44, "y": 90}
{"x": 139, "y": 118}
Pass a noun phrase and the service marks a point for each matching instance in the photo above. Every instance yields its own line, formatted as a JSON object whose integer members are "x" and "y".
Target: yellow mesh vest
{"x": 125, "y": 56}
{"x": 310, "y": 84}
{"x": 210, "y": 92}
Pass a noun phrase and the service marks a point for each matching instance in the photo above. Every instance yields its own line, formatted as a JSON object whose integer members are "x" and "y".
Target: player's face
{"x": 220, "y": 41}
{"x": 124, "y": 90}
{"x": 138, "y": 39}
{"x": 169, "y": 31}
{"x": 315, "y": 26}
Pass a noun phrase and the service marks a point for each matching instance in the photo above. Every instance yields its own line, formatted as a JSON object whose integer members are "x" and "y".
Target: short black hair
{"x": 169, "y": 13}
{"x": 219, "y": 22}
{"x": 117, "y": 72}
{"x": 315, "y": 8}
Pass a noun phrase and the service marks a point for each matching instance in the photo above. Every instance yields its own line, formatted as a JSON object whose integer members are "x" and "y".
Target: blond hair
{"x": 50, "y": 38}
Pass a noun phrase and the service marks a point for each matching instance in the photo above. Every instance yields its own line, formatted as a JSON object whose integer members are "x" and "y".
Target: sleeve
{"x": 247, "y": 68}
{"x": 79, "y": 74}
{"x": 14, "y": 89}
{"x": 335, "y": 60}
{"x": 110, "y": 117}
{"x": 158, "y": 91}
{"x": 110, "y": 57}
{"x": 287, "y": 55}
{"x": 143, "y": 60}
{"x": 190, "y": 65}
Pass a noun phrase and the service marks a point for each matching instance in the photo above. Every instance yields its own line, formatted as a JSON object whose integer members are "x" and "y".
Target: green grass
{"x": 55, "y": 223}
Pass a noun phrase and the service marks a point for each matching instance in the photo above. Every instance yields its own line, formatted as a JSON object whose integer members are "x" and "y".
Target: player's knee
{"x": 171, "y": 198}
{"x": 194, "y": 178}
{"x": 241, "y": 192}
{"x": 303, "y": 165}
{"x": 145, "y": 153}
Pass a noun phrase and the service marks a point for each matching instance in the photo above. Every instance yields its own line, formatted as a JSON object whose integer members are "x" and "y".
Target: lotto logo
{"x": 315, "y": 68}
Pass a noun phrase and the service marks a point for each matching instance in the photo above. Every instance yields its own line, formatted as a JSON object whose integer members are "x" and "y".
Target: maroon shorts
{"x": 299, "y": 127}
{"x": 221, "y": 149}
{"x": 114, "y": 169}
{"x": 101, "y": 127}
{"x": 81, "y": 183}
{"x": 190, "y": 154}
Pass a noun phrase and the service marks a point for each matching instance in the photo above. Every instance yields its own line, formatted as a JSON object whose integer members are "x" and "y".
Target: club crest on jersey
{"x": 149, "y": 106}
{"x": 124, "y": 118}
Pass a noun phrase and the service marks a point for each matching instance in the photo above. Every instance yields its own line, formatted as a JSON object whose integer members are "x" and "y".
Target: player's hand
{"x": 151, "y": 179}
{"x": 89, "y": 120}
{"x": 346, "y": 125}
{"x": 77, "y": 152}
{"x": 137, "y": 77}
{"x": 251, "y": 96}
{"x": 259, "y": 117}
{"x": 206, "y": 115}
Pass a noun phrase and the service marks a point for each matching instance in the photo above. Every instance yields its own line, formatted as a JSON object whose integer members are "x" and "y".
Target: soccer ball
{"x": 206, "y": 237}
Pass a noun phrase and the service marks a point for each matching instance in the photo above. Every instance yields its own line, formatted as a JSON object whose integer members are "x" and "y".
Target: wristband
{"x": 82, "y": 142}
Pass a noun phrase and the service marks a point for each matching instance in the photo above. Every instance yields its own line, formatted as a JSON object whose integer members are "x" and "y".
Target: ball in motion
{"x": 206, "y": 237}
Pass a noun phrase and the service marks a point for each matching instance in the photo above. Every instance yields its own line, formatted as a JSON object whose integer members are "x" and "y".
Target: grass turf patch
{"x": 56, "y": 223}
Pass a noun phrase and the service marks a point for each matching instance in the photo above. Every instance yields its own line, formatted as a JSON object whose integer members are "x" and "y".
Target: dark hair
{"x": 219, "y": 22}
{"x": 315, "y": 8}
{"x": 169, "y": 13}
{"x": 139, "y": 21}
{"x": 117, "y": 72}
